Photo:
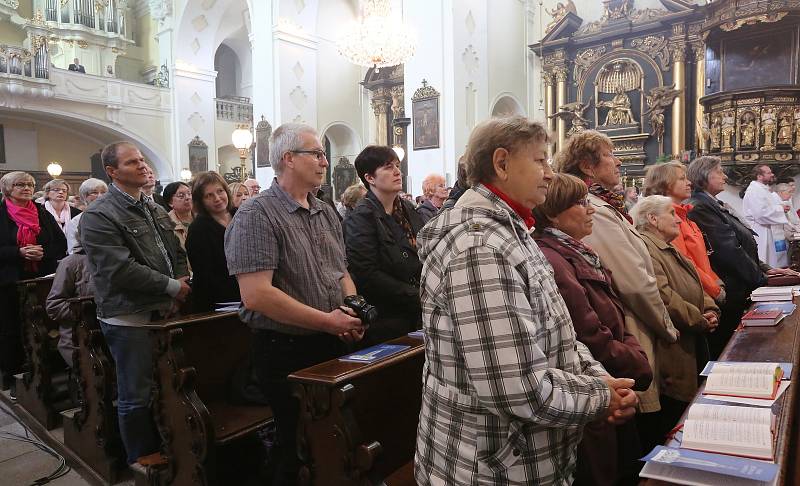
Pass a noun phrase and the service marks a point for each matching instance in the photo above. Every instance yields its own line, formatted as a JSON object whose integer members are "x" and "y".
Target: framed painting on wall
{"x": 198, "y": 155}
{"x": 425, "y": 115}
{"x": 759, "y": 60}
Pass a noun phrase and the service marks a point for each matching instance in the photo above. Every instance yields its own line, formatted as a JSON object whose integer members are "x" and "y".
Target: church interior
{"x": 202, "y": 85}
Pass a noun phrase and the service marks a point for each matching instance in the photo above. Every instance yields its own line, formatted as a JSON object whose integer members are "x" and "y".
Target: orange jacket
{"x": 691, "y": 245}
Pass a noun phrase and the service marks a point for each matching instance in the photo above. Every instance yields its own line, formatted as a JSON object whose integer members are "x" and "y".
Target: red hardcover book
{"x": 768, "y": 317}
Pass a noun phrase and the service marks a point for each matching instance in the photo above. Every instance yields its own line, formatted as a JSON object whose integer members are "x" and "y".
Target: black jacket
{"x": 733, "y": 250}
{"x": 427, "y": 211}
{"x": 205, "y": 246}
{"x": 51, "y": 238}
{"x": 380, "y": 259}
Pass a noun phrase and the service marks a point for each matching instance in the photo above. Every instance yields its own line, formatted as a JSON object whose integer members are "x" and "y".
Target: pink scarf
{"x": 27, "y": 220}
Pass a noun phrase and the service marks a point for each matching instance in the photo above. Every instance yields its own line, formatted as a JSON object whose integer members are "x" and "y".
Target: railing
{"x": 235, "y": 109}
{"x": 21, "y": 62}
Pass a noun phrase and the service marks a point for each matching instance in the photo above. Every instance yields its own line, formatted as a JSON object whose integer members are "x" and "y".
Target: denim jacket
{"x": 128, "y": 268}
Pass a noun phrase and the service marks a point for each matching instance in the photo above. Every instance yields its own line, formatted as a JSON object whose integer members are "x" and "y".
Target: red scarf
{"x": 27, "y": 220}
{"x": 523, "y": 212}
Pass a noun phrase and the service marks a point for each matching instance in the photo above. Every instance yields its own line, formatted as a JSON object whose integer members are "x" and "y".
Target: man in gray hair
{"x": 90, "y": 190}
{"x": 286, "y": 249}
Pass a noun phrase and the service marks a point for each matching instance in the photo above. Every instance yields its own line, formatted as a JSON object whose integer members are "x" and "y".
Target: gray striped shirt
{"x": 303, "y": 247}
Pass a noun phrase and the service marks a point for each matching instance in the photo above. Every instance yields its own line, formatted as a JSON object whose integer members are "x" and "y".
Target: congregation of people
{"x": 565, "y": 320}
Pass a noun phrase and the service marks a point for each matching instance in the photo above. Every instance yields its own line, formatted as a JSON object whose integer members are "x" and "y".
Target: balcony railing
{"x": 235, "y": 108}
{"x": 22, "y": 62}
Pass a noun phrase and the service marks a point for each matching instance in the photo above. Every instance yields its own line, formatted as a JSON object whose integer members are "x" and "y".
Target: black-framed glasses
{"x": 583, "y": 202}
{"x": 319, "y": 154}
{"x": 22, "y": 185}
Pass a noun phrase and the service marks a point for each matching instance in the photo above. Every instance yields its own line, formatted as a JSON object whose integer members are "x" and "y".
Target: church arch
{"x": 506, "y": 104}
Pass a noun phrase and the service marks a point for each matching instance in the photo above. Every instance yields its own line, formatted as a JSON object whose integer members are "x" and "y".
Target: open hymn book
{"x": 751, "y": 380}
{"x": 726, "y": 429}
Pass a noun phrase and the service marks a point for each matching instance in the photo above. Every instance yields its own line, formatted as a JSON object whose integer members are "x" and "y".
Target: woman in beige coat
{"x": 692, "y": 311}
{"x": 589, "y": 155}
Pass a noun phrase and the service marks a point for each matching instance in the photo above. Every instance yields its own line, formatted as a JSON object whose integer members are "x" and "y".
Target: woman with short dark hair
{"x": 31, "y": 243}
{"x": 178, "y": 198}
{"x": 607, "y": 455}
{"x": 380, "y": 236}
{"x": 205, "y": 243}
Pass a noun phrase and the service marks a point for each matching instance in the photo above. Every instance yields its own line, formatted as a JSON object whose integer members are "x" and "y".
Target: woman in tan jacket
{"x": 589, "y": 155}
{"x": 692, "y": 311}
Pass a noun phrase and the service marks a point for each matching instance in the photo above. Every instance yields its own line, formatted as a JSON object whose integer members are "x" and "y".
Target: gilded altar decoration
{"x": 785, "y": 129}
{"x": 584, "y": 59}
{"x": 559, "y": 13}
{"x": 573, "y": 113}
{"x": 616, "y": 9}
{"x": 620, "y": 73}
{"x": 748, "y": 130}
{"x": 728, "y": 130}
{"x": 755, "y": 19}
{"x": 659, "y": 99}
{"x": 797, "y": 128}
{"x": 619, "y": 109}
{"x": 655, "y": 46}
{"x": 768, "y": 128}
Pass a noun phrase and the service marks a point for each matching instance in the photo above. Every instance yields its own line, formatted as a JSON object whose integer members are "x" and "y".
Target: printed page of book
{"x": 742, "y": 367}
{"x": 758, "y": 385}
{"x": 730, "y": 413}
{"x": 737, "y": 438}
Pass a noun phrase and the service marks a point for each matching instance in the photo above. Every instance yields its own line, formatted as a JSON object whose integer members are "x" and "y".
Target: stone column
{"x": 699, "y": 49}
{"x": 678, "y": 134}
{"x": 561, "y": 99}
{"x": 549, "y": 109}
{"x": 380, "y": 106}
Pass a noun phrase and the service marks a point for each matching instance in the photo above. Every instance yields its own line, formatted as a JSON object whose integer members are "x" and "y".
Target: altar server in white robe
{"x": 765, "y": 215}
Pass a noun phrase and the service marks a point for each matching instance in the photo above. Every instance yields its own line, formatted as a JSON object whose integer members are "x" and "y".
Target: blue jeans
{"x": 132, "y": 351}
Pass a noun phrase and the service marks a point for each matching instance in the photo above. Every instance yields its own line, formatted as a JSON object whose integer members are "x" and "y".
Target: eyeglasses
{"x": 583, "y": 202}
{"x": 23, "y": 185}
{"x": 319, "y": 154}
{"x": 58, "y": 189}
{"x": 181, "y": 195}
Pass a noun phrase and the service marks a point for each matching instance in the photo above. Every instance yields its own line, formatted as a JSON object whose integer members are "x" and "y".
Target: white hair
{"x": 90, "y": 185}
{"x": 655, "y": 205}
{"x": 284, "y": 139}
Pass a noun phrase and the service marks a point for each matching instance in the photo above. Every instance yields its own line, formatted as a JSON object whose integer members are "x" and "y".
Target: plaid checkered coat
{"x": 507, "y": 387}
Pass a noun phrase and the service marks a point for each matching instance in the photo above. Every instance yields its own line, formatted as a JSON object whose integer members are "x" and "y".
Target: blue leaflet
{"x": 716, "y": 463}
{"x": 374, "y": 353}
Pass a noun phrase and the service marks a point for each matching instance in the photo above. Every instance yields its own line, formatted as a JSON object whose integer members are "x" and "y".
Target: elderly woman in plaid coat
{"x": 507, "y": 387}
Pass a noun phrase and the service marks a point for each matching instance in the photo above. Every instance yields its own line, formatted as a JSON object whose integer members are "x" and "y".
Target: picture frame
{"x": 425, "y": 117}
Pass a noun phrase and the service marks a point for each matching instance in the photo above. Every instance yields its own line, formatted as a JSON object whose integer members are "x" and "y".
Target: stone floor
{"x": 23, "y": 463}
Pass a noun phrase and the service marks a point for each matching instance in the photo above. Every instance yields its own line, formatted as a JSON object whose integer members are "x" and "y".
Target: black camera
{"x": 366, "y": 312}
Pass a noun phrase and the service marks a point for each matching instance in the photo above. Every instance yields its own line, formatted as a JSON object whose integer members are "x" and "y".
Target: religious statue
{"x": 747, "y": 130}
{"x": 797, "y": 128}
{"x": 559, "y": 13}
{"x": 573, "y": 113}
{"x": 658, "y": 99}
{"x": 785, "y": 129}
{"x": 703, "y": 134}
{"x": 728, "y": 130}
{"x": 768, "y": 128}
{"x": 619, "y": 112}
{"x": 716, "y": 125}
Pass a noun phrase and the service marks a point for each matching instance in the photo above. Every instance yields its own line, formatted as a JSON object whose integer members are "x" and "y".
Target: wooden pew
{"x": 92, "y": 431}
{"x": 195, "y": 357}
{"x": 43, "y": 389}
{"x": 780, "y": 343}
{"x": 358, "y": 422}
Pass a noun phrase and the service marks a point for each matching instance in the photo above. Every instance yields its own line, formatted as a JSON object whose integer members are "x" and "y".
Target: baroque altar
{"x": 679, "y": 81}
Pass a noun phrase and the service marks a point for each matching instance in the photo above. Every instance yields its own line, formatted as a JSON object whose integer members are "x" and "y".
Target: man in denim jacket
{"x": 140, "y": 275}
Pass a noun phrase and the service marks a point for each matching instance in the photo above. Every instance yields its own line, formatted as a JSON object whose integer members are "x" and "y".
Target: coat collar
{"x": 583, "y": 271}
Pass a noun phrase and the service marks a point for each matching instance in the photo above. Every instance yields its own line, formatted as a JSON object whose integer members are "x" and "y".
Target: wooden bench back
{"x": 359, "y": 421}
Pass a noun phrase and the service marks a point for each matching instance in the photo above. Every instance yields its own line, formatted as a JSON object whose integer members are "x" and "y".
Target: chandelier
{"x": 378, "y": 39}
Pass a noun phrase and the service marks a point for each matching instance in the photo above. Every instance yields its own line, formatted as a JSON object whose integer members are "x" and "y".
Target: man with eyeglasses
{"x": 286, "y": 249}
{"x": 253, "y": 187}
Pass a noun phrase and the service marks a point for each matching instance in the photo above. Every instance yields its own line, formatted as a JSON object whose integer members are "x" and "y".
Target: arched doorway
{"x": 507, "y": 105}
{"x": 342, "y": 145}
